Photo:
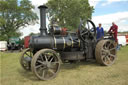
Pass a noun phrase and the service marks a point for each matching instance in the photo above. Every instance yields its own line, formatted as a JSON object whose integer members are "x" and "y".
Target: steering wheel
{"x": 87, "y": 30}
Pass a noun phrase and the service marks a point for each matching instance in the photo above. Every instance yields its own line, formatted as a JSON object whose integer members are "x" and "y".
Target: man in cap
{"x": 113, "y": 30}
{"x": 100, "y": 32}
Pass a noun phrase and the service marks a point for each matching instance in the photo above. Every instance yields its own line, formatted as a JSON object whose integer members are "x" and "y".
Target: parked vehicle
{"x": 121, "y": 40}
{"x": 3, "y": 45}
{"x": 14, "y": 43}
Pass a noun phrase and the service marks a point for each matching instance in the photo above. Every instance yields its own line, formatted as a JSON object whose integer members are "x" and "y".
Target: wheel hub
{"x": 46, "y": 64}
{"x": 107, "y": 52}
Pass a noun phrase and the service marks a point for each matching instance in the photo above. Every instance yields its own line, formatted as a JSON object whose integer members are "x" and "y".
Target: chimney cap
{"x": 42, "y": 6}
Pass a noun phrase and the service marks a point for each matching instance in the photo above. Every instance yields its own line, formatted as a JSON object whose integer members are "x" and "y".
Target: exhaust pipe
{"x": 43, "y": 29}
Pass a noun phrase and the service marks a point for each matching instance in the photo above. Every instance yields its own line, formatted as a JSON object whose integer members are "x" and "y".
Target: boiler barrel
{"x": 55, "y": 42}
{"x": 41, "y": 42}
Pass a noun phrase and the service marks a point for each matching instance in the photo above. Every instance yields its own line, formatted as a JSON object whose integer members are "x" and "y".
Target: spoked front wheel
{"x": 45, "y": 64}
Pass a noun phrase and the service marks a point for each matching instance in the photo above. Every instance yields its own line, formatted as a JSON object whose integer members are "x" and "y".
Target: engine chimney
{"x": 43, "y": 29}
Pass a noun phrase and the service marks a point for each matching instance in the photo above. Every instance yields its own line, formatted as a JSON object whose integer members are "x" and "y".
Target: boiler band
{"x": 66, "y": 42}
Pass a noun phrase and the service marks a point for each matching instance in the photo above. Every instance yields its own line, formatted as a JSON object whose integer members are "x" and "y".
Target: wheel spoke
{"x": 51, "y": 71}
{"x": 105, "y": 46}
{"x": 46, "y": 58}
{"x": 108, "y": 58}
{"x": 51, "y": 59}
{"x": 105, "y": 59}
{"x": 27, "y": 54}
{"x": 103, "y": 51}
{"x": 39, "y": 61}
{"x": 38, "y": 66}
{"x": 43, "y": 73}
{"x": 112, "y": 49}
{"x": 85, "y": 32}
{"x": 41, "y": 57}
{"x": 43, "y": 68}
{"x": 112, "y": 55}
{"x": 54, "y": 65}
{"x": 82, "y": 33}
{"x": 109, "y": 45}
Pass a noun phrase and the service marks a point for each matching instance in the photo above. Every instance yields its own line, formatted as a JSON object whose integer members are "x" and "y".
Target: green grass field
{"x": 84, "y": 73}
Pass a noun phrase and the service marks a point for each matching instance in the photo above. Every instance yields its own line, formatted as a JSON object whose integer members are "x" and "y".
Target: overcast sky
{"x": 106, "y": 12}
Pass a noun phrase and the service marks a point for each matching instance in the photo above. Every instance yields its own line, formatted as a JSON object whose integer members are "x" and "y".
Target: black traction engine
{"x": 48, "y": 50}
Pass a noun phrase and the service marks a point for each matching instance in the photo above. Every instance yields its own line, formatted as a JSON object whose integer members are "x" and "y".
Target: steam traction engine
{"x": 48, "y": 50}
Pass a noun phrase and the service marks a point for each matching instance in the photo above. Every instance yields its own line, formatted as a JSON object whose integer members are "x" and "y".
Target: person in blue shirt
{"x": 100, "y": 32}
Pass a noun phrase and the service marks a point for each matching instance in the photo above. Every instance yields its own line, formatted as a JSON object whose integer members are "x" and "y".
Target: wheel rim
{"x": 45, "y": 64}
{"x": 106, "y": 52}
{"x": 25, "y": 59}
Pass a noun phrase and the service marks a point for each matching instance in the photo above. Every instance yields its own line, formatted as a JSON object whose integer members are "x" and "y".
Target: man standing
{"x": 113, "y": 30}
{"x": 100, "y": 32}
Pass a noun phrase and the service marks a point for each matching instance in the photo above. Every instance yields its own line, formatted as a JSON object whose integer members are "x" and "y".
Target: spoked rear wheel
{"x": 25, "y": 59}
{"x": 45, "y": 64}
{"x": 105, "y": 52}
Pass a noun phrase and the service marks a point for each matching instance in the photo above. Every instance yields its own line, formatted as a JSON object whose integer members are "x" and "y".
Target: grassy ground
{"x": 84, "y": 73}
